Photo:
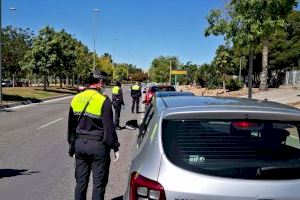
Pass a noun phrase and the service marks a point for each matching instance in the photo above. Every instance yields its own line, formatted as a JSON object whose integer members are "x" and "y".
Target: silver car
{"x": 213, "y": 148}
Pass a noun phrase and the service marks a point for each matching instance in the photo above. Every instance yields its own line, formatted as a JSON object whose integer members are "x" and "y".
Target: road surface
{"x": 34, "y": 163}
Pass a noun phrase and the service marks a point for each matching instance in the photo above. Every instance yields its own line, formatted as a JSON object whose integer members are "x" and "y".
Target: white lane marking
{"x": 49, "y": 123}
{"x": 34, "y": 104}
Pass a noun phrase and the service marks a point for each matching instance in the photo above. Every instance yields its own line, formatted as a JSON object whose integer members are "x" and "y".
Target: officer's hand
{"x": 117, "y": 156}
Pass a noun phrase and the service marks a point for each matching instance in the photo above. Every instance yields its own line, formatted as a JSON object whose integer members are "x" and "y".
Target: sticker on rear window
{"x": 196, "y": 159}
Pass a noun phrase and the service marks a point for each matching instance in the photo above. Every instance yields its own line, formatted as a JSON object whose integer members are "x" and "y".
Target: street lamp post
{"x": 94, "y": 58}
{"x": 13, "y": 9}
{"x": 0, "y": 52}
{"x": 114, "y": 57}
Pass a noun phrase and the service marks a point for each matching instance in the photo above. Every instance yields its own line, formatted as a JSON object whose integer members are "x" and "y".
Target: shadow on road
{"x": 5, "y": 173}
{"x": 118, "y": 198}
{"x": 71, "y": 91}
{"x": 4, "y": 110}
{"x": 19, "y": 98}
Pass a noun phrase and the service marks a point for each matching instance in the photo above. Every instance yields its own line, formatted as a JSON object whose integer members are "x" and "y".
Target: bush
{"x": 233, "y": 84}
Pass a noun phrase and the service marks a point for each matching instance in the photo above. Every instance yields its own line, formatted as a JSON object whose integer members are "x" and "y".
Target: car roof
{"x": 173, "y": 93}
{"x": 221, "y": 103}
{"x": 163, "y": 86}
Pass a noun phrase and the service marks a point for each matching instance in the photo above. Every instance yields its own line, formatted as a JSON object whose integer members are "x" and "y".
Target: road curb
{"x": 31, "y": 102}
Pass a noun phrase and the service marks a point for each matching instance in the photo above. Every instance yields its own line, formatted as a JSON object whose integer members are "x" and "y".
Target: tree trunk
{"x": 264, "y": 73}
{"x": 224, "y": 85}
{"x": 45, "y": 82}
{"x": 67, "y": 80}
{"x": 250, "y": 74}
{"x": 72, "y": 84}
{"x": 60, "y": 82}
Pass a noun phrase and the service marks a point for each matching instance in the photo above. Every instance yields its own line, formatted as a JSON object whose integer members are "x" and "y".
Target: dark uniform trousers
{"x": 135, "y": 101}
{"x": 117, "y": 106}
{"x": 91, "y": 155}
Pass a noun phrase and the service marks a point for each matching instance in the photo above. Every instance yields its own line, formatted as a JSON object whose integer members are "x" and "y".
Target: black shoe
{"x": 118, "y": 128}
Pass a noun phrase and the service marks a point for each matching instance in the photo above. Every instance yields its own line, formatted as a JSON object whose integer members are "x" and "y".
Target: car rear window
{"x": 169, "y": 88}
{"x": 235, "y": 148}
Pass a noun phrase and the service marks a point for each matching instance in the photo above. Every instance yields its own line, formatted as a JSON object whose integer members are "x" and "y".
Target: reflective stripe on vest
{"x": 115, "y": 90}
{"x": 94, "y": 109}
{"x": 135, "y": 87}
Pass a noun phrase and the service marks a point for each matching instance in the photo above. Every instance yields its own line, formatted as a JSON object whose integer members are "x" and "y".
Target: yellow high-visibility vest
{"x": 135, "y": 87}
{"x": 115, "y": 90}
{"x": 96, "y": 101}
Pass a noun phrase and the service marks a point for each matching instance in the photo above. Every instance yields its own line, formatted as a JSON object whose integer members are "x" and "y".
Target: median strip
{"x": 49, "y": 123}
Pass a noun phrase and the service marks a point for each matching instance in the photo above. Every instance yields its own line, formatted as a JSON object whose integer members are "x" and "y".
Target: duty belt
{"x": 90, "y": 137}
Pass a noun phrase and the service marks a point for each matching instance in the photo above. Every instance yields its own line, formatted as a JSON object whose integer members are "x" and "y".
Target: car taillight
{"x": 142, "y": 188}
{"x": 244, "y": 124}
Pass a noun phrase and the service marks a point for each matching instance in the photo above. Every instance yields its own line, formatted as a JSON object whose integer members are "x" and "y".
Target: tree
{"x": 42, "y": 58}
{"x": 246, "y": 23}
{"x": 207, "y": 76}
{"x": 121, "y": 72}
{"x": 64, "y": 48}
{"x": 224, "y": 62}
{"x": 83, "y": 61}
{"x": 160, "y": 68}
{"x": 15, "y": 43}
{"x": 285, "y": 47}
{"x": 105, "y": 64}
{"x": 191, "y": 73}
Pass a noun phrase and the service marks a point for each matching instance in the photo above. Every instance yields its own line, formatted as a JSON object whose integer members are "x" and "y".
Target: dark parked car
{"x": 7, "y": 83}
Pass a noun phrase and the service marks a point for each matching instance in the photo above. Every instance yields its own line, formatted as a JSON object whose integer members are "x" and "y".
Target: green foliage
{"x": 121, "y": 72}
{"x": 15, "y": 43}
{"x": 233, "y": 84}
{"x": 285, "y": 48}
{"x": 191, "y": 73}
{"x": 105, "y": 63}
{"x": 160, "y": 68}
{"x": 246, "y": 23}
{"x": 207, "y": 76}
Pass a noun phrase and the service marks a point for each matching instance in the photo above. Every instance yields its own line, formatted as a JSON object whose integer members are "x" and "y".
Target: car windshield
{"x": 162, "y": 89}
{"x": 235, "y": 149}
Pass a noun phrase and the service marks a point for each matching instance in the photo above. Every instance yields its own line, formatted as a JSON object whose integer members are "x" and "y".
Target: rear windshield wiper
{"x": 279, "y": 172}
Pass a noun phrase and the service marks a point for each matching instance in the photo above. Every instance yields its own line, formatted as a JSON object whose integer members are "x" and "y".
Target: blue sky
{"x": 144, "y": 29}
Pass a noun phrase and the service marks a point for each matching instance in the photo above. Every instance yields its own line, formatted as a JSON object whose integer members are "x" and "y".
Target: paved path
{"x": 285, "y": 96}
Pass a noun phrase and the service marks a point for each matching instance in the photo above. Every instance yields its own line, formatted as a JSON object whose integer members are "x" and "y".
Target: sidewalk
{"x": 284, "y": 96}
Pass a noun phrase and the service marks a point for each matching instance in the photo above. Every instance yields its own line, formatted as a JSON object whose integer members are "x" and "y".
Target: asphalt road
{"x": 34, "y": 163}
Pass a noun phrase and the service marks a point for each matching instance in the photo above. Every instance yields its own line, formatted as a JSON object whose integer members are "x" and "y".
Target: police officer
{"x": 136, "y": 93}
{"x": 91, "y": 135}
{"x": 117, "y": 101}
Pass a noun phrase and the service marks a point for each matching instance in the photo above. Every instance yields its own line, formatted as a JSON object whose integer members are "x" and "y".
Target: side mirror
{"x": 143, "y": 102}
{"x": 144, "y": 91}
{"x": 132, "y": 124}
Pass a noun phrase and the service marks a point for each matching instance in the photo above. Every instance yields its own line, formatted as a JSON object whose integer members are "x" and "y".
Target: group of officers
{"x": 92, "y": 135}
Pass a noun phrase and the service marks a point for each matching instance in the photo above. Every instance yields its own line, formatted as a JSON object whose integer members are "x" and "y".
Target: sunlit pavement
{"x": 285, "y": 96}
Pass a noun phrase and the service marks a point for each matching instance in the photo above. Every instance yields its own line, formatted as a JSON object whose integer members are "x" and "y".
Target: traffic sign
{"x": 179, "y": 72}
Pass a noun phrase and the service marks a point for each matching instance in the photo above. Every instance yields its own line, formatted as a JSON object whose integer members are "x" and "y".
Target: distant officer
{"x": 117, "y": 101}
{"x": 91, "y": 135}
{"x": 136, "y": 93}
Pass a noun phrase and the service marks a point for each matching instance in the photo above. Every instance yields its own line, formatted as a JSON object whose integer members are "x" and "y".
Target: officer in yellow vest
{"x": 92, "y": 135}
{"x": 136, "y": 93}
{"x": 117, "y": 101}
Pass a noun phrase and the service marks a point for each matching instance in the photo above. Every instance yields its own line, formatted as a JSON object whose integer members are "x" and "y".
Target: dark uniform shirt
{"x": 136, "y": 91}
{"x": 95, "y": 126}
{"x": 118, "y": 96}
